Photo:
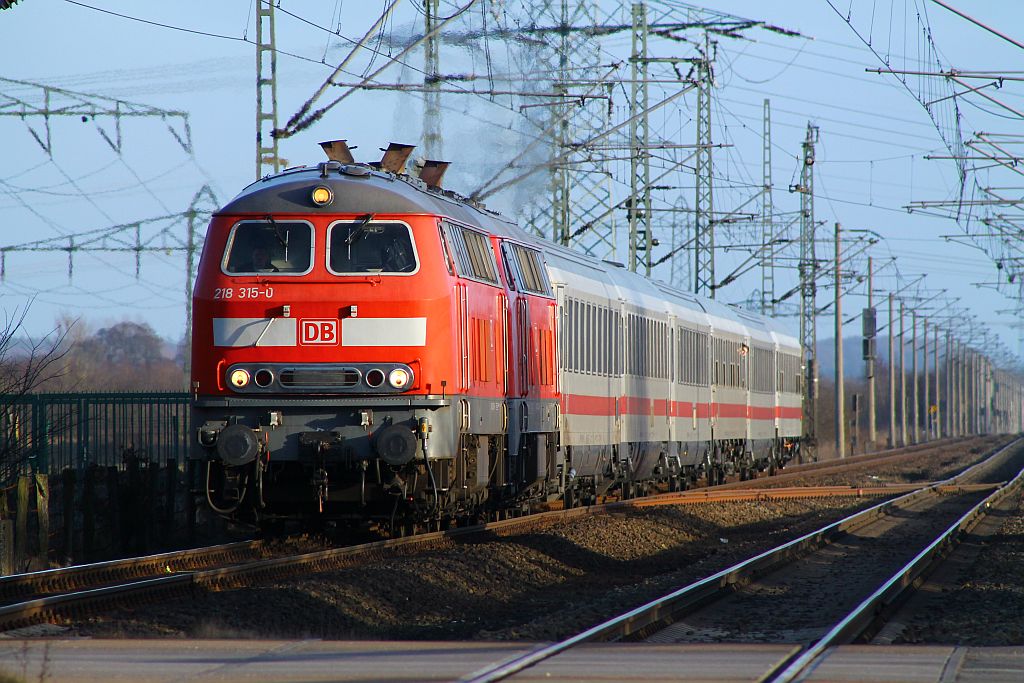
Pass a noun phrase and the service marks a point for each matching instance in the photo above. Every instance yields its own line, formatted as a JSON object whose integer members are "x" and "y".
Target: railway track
{"x": 826, "y": 588}
{"x": 74, "y": 591}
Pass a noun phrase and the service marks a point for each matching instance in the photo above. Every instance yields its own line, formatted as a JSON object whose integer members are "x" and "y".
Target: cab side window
{"x": 527, "y": 268}
{"x": 471, "y": 252}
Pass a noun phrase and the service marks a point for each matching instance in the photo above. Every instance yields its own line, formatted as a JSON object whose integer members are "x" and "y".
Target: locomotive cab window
{"x": 269, "y": 247}
{"x": 356, "y": 248}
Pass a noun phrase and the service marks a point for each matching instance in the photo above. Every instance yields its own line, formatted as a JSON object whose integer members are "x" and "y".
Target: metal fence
{"x": 60, "y": 431}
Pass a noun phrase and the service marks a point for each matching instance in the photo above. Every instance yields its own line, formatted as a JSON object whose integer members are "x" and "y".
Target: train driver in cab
{"x": 397, "y": 255}
{"x": 259, "y": 261}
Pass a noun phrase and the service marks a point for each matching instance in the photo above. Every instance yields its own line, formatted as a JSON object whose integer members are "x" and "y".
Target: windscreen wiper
{"x": 359, "y": 229}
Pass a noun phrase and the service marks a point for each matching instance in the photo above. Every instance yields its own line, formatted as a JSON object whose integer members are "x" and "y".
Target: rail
{"x": 644, "y": 618}
{"x": 894, "y": 589}
{"x": 167, "y": 570}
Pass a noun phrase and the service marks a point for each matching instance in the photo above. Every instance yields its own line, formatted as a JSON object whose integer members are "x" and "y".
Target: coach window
{"x": 359, "y": 248}
{"x": 472, "y": 253}
{"x": 269, "y": 248}
{"x": 588, "y": 339}
{"x": 574, "y": 346}
{"x": 577, "y": 340}
{"x": 603, "y": 340}
{"x": 606, "y": 341}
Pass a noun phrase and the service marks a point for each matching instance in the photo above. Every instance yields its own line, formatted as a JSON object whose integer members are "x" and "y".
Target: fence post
{"x": 42, "y": 491}
{"x": 191, "y": 489}
{"x": 67, "y": 489}
{"x": 133, "y": 508}
{"x": 6, "y": 537}
{"x": 21, "y": 519}
{"x": 6, "y": 547}
{"x": 170, "y": 500}
{"x": 42, "y": 485}
{"x": 153, "y": 487}
{"x": 89, "y": 514}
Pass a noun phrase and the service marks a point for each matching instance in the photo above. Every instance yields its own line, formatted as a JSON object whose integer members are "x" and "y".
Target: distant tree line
{"x": 125, "y": 356}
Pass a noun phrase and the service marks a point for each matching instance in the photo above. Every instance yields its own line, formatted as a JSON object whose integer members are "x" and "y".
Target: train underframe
{"x": 404, "y": 467}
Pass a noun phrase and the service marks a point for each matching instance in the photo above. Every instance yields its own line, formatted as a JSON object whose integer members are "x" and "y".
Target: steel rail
{"x": 135, "y": 566}
{"x": 62, "y": 578}
{"x": 152, "y": 566}
{"x": 36, "y": 609}
{"x": 792, "y": 492}
{"x": 33, "y": 610}
{"x": 658, "y": 611}
{"x": 894, "y": 455}
{"x": 869, "y": 611}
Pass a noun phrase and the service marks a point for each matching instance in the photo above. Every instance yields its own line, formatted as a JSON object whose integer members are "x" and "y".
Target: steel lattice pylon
{"x": 267, "y": 159}
{"x": 808, "y": 291}
{"x": 704, "y": 226}
{"x": 767, "y": 228}
{"x": 578, "y": 211}
{"x": 432, "y": 137}
{"x": 639, "y": 159}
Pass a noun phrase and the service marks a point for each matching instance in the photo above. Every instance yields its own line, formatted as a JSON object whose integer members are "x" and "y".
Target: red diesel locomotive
{"x": 372, "y": 348}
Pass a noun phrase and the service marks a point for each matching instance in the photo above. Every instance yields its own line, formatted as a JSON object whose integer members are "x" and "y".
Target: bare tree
{"x": 25, "y": 364}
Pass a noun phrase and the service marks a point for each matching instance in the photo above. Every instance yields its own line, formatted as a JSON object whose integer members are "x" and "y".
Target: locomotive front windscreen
{"x": 359, "y": 248}
{"x": 283, "y": 247}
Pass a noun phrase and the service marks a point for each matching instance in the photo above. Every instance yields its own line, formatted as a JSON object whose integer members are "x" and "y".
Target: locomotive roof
{"x": 361, "y": 189}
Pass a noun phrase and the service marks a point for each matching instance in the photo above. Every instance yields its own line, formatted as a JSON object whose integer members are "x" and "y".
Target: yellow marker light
{"x": 322, "y": 196}
{"x": 239, "y": 378}
{"x": 398, "y": 378}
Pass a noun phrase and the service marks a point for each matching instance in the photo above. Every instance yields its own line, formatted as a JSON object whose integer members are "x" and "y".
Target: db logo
{"x": 319, "y": 332}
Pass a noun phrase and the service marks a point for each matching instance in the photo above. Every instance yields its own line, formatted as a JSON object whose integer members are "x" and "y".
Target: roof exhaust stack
{"x": 433, "y": 171}
{"x": 338, "y": 150}
{"x": 395, "y": 157}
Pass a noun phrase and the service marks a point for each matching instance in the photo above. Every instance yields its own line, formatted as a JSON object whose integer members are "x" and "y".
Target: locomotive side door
{"x": 533, "y": 405}
{"x": 515, "y": 328}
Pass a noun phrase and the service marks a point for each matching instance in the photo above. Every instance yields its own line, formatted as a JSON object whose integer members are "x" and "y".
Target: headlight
{"x": 322, "y": 196}
{"x": 239, "y": 378}
{"x": 398, "y": 378}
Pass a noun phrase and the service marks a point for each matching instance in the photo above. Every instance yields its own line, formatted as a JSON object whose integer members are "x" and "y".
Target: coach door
{"x": 715, "y": 372}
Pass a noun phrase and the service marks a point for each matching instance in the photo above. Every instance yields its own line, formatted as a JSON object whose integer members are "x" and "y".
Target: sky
{"x": 197, "y": 59}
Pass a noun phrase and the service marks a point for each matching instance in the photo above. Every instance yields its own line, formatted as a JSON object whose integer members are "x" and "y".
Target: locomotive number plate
{"x": 243, "y": 293}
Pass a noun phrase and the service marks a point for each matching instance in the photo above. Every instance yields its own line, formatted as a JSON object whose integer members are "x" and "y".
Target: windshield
{"x": 371, "y": 248}
{"x": 283, "y": 247}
